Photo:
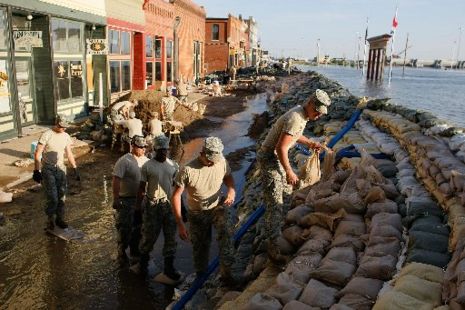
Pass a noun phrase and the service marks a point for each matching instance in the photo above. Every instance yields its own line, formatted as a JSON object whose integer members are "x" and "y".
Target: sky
{"x": 292, "y": 27}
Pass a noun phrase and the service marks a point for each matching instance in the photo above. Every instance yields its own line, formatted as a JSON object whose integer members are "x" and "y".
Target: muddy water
{"x": 40, "y": 272}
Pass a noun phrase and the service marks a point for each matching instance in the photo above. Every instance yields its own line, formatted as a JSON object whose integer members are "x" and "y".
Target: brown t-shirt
{"x": 159, "y": 177}
{"x": 292, "y": 122}
{"x": 54, "y": 147}
{"x": 203, "y": 183}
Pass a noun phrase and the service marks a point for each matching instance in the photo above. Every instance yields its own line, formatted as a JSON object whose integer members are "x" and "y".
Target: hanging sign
{"x": 97, "y": 46}
{"x": 27, "y": 39}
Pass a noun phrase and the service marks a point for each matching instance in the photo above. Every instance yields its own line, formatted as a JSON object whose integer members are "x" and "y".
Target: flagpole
{"x": 365, "y": 49}
{"x": 392, "y": 47}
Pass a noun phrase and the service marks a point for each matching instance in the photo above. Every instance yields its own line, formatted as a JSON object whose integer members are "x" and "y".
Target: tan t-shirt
{"x": 127, "y": 168}
{"x": 159, "y": 177}
{"x": 155, "y": 127}
{"x": 55, "y": 144}
{"x": 134, "y": 126}
{"x": 292, "y": 122}
{"x": 169, "y": 105}
{"x": 203, "y": 183}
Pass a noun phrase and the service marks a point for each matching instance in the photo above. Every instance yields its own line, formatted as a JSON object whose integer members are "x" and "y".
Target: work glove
{"x": 37, "y": 176}
{"x": 116, "y": 204}
{"x": 76, "y": 174}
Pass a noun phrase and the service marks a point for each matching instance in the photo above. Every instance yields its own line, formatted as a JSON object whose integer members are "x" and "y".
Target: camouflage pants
{"x": 200, "y": 231}
{"x": 273, "y": 182}
{"x": 128, "y": 227}
{"x": 158, "y": 216}
{"x": 54, "y": 184}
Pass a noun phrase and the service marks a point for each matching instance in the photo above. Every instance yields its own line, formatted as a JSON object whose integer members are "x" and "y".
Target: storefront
{"x": 44, "y": 69}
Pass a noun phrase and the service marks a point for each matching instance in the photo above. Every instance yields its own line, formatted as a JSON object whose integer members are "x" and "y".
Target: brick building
{"x": 226, "y": 43}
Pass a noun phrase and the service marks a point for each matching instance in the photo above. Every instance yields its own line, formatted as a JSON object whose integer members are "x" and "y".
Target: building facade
{"x": 226, "y": 43}
{"x": 44, "y": 68}
{"x": 254, "y": 42}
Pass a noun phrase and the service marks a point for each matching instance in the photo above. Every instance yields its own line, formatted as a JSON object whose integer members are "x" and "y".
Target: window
{"x": 153, "y": 66}
{"x": 215, "y": 32}
{"x": 119, "y": 42}
{"x": 169, "y": 61}
{"x": 158, "y": 73}
{"x": 158, "y": 48}
{"x": 169, "y": 71}
{"x": 149, "y": 73}
{"x": 169, "y": 49}
{"x": 67, "y": 36}
{"x": 4, "y": 64}
{"x": 148, "y": 46}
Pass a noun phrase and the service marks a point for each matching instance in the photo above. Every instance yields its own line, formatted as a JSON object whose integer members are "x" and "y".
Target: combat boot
{"x": 60, "y": 223}
{"x": 169, "y": 276}
{"x": 50, "y": 223}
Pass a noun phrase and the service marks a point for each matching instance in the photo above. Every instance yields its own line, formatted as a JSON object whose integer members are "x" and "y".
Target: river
{"x": 441, "y": 92}
{"x": 41, "y": 272}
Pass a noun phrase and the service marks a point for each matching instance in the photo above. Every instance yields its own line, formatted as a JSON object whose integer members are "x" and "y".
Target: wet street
{"x": 38, "y": 271}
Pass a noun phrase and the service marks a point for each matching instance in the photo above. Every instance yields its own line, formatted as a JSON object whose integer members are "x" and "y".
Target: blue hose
{"x": 199, "y": 281}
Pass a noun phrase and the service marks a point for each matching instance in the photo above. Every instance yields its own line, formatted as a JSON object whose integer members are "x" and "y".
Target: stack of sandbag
{"x": 454, "y": 279}
{"x": 418, "y": 286}
{"x": 457, "y": 145}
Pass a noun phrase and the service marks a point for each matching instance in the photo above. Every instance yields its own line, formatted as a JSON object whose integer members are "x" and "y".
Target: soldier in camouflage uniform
{"x": 156, "y": 186}
{"x": 52, "y": 146}
{"x": 126, "y": 180}
{"x": 168, "y": 105}
{"x": 202, "y": 178}
{"x": 274, "y": 164}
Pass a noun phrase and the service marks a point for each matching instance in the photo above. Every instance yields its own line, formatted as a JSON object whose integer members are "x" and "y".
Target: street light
{"x": 176, "y": 23}
{"x": 318, "y": 52}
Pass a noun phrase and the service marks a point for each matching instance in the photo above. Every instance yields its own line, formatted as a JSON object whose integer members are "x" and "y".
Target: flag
{"x": 395, "y": 22}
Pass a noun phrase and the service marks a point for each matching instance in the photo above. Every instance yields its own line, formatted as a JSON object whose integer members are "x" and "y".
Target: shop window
{"x": 148, "y": 46}
{"x": 158, "y": 48}
{"x": 169, "y": 49}
{"x": 67, "y": 36}
{"x": 215, "y": 32}
{"x": 61, "y": 69}
{"x": 169, "y": 72}
{"x": 77, "y": 88}
{"x": 115, "y": 77}
{"x": 5, "y": 106}
{"x": 126, "y": 75}
{"x": 158, "y": 73}
{"x": 125, "y": 43}
{"x": 22, "y": 79}
{"x": 113, "y": 37}
{"x": 149, "y": 73}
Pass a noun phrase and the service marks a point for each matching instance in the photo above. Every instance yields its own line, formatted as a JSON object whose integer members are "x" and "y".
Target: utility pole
{"x": 357, "y": 57}
{"x": 318, "y": 53}
{"x": 405, "y": 56}
{"x": 458, "y": 46}
{"x": 452, "y": 56}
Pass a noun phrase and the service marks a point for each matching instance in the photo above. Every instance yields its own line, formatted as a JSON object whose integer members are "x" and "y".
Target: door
{"x": 24, "y": 86}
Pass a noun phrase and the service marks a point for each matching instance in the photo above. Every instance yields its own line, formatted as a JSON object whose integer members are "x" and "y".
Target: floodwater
{"x": 38, "y": 271}
{"x": 441, "y": 92}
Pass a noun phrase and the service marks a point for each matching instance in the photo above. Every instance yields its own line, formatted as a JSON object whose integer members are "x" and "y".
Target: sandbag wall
{"x": 346, "y": 237}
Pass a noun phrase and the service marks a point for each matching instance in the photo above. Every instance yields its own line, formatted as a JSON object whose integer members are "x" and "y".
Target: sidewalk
{"x": 20, "y": 149}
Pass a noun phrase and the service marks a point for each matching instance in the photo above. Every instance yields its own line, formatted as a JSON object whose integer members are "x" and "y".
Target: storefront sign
{"x": 97, "y": 46}
{"x": 27, "y": 39}
{"x": 76, "y": 69}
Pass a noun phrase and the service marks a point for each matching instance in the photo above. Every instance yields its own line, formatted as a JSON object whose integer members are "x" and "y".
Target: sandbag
{"x": 351, "y": 203}
{"x": 375, "y": 194}
{"x": 382, "y": 268}
{"x": 294, "y": 215}
{"x": 350, "y": 228}
{"x": 428, "y": 241}
{"x": 300, "y": 267}
{"x": 366, "y": 287}
{"x": 420, "y": 289}
{"x": 385, "y": 231}
{"x": 424, "y": 271}
{"x": 320, "y": 233}
{"x": 334, "y": 272}
{"x": 427, "y": 257}
{"x": 438, "y": 229}
{"x": 387, "y": 168}
{"x": 387, "y": 219}
{"x": 328, "y": 164}
{"x": 324, "y": 220}
{"x": 313, "y": 246}
{"x": 348, "y": 240}
{"x": 261, "y": 301}
{"x": 285, "y": 289}
{"x": 391, "y": 246}
{"x": 395, "y": 300}
{"x": 386, "y": 206}
{"x": 340, "y": 176}
{"x": 355, "y": 301}
{"x": 285, "y": 247}
{"x": 342, "y": 254}
{"x": 297, "y": 305}
{"x": 311, "y": 172}
{"x": 293, "y": 235}
{"x": 317, "y": 294}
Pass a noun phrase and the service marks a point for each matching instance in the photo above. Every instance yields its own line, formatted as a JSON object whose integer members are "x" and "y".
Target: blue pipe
{"x": 199, "y": 281}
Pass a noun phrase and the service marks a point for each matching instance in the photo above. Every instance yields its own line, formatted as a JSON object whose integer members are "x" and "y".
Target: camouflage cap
{"x": 61, "y": 121}
{"x": 213, "y": 149}
{"x": 139, "y": 141}
{"x": 161, "y": 142}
